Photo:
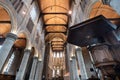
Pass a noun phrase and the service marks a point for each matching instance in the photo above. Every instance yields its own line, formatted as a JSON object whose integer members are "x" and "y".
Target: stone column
{"x": 33, "y": 69}
{"x": 74, "y": 68}
{"x": 38, "y": 75}
{"x": 6, "y": 47}
{"x": 71, "y": 70}
{"x": 113, "y": 3}
{"x": 22, "y": 70}
{"x": 88, "y": 62}
{"x": 69, "y": 62}
{"x": 81, "y": 64}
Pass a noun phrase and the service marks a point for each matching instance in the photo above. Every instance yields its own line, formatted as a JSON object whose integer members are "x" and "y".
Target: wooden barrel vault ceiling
{"x": 55, "y": 16}
{"x": 100, "y": 9}
{"x": 5, "y": 27}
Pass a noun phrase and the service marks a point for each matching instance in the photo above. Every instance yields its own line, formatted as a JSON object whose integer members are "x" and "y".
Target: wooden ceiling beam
{"x": 114, "y": 19}
{"x": 55, "y": 13}
{"x": 55, "y": 24}
{"x": 21, "y": 38}
{"x": 57, "y": 44}
{"x": 7, "y": 22}
{"x": 58, "y": 48}
{"x": 57, "y": 41}
{"x": 55, "y": 32}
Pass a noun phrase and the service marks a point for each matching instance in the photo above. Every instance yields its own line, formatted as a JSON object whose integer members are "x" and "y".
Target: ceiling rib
{"x": 54, "y": 6}
{"x": 55, "y": 13}
{"x": 56, "y": 17}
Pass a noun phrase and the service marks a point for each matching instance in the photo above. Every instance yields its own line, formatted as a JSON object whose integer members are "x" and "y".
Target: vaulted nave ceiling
{"x": 100, "y": 9}
{"x": 55, "y": 15}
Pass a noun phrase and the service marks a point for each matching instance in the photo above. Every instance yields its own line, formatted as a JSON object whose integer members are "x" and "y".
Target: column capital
{"x": 79, "y": 49}
{"x": 40, "y": 60}
{"x": 70, "y": 59}
{"x": 106, "y": 2}
{"x": 27, "y": 50}
{"x": 11, "y": 35}
{"x": 35, "y": 57}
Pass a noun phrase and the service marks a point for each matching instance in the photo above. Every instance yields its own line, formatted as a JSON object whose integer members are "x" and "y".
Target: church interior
{"x": 59, "y": 40}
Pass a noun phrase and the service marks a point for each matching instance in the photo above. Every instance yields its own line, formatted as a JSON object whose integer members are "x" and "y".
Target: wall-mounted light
{"x": 76, "y": 47}
{"x": 40, "y": 59}
{"x": 23, "y": 12}
{"x": 70, "y": 12}
{"x": 29, "y": 46}
{"x": 14, "y": 31}
{"x": 36, "y": 54}
{"x": 70, "y": 59}
{"x": 88, "y": 37}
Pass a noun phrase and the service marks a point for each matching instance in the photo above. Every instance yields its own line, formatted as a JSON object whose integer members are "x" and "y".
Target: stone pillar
{"x": 71, "y": 70}
{"x": 74, "y": 68}
{"x": 81, "y": 64}
{"x": 88, "y": 62}
{"x": 22, "y": 70}
{"x": 69, "y": 62}
{"x": 33, "y": 69}
{"x": 6, "y": 47}
{"x": 38, "y": 75}
{"x": 113, "y": 3}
